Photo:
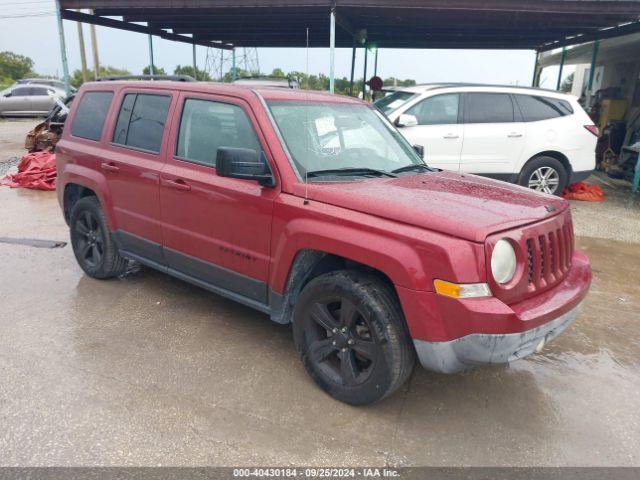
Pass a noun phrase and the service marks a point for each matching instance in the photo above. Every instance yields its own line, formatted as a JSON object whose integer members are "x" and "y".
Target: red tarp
{"x": 36, "y": 170}
{"x": 583, "y": 191}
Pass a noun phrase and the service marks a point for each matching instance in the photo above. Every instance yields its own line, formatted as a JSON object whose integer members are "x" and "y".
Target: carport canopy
{"x": 539, "y": 25}
{"x": 489, "y": 24}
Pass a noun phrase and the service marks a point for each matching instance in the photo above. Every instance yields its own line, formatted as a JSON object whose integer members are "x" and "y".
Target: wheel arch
{"x": 562, "y": 158}
{"x": 309, "y": 264}
{"x": 72, "y": 193}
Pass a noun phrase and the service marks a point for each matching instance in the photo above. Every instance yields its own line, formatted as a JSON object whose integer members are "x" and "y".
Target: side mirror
{"x": 419, "y": 150}
{"x": 406, "y": 120}
{"x": 245, "y": 164}
{"x": 7, "y": 95}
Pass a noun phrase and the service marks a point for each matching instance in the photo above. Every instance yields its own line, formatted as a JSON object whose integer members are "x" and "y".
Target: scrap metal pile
{"x": 37, "y": 169}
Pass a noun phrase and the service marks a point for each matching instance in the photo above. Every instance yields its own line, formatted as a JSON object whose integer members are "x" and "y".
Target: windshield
{"x": 389, "y": 103}
{"x": 333, "y": 136}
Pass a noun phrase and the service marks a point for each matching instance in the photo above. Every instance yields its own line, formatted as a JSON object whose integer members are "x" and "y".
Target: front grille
{"x": 549, "y": 256}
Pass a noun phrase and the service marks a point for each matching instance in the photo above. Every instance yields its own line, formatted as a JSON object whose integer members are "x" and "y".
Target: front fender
{"x": 410, "y": 257}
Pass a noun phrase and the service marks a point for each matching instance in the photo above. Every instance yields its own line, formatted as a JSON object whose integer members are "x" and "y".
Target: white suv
{"x": 537, "y": 138}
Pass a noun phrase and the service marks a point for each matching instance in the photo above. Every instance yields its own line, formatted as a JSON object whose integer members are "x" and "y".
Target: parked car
{"x": 51, "y": 82}
{"x": 29, "y": 100}
{"x": 313, "y": 209}
{"x": 537, "y": 138}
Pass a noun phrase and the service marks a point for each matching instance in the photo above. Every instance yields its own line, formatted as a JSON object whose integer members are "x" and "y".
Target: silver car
{"x": 29, "y": 100}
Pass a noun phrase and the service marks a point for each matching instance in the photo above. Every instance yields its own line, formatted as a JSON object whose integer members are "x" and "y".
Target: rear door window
{"x": 39, "y": 91}
{"x": 207, "y": 125}
{"x": 91, "y": 114}
{"x": 489, "y": 108}
{"x": 535, "y": 108}
{"x": 437, "y": 110}
{"x": 141, "y": 121}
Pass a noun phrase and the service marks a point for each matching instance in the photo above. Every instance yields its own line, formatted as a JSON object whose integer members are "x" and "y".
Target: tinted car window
{"x": 534, "y": 107}
{"x": 122, "y": 125}
{"x": 141, "y": 121}
{"x": 39, "y": 91}
{"x": 489, "y": 108}
{"x": 438, "y": 110}
{"x": 206, "y": 126}
{"x": 21, "y": 92}
{"x": 389, "y": 103}
{"x": 91, "y": 114}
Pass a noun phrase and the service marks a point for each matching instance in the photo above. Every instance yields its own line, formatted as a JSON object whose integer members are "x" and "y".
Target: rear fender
{"x": 93, "y": 180}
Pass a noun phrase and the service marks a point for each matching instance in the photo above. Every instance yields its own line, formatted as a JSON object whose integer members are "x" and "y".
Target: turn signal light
{"x": 464, "y": 290}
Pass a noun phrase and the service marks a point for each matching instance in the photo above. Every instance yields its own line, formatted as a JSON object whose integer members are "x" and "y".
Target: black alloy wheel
{"x": 93, "y": 245}
{"x": 90, "y": 239}
{"x": 350, "y": 333}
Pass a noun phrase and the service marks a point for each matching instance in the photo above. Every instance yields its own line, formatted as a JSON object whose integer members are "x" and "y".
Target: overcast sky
{"x": 37, "y": 37}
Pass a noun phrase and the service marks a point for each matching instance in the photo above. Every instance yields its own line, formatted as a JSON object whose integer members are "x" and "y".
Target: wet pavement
{"x": 148, "y": 370}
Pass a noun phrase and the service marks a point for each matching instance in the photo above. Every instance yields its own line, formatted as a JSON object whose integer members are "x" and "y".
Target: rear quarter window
{"x": 535, "y": 108}
{"x": 91, "y": 114}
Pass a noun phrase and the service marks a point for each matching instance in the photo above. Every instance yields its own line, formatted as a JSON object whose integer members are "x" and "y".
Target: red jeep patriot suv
{"x": 313, "y": 209}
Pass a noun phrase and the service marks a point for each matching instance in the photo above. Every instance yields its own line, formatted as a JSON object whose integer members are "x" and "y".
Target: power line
{"x": 24, "y": 15}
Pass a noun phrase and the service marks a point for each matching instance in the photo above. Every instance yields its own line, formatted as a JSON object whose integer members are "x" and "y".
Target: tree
{"x": 14, "y": 66}
{"x": 188, "y": 70}
{"x": 105, "y": 71}
{"x": 156, "y": 70}
{"x": 278, "y": 73}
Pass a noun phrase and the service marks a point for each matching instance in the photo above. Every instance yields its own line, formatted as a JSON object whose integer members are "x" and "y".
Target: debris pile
{"x": 36, "y": 170}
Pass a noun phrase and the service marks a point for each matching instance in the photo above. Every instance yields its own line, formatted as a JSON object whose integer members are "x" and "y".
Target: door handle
{"x": 451, "y": 135}
{"x": 109, "y": 167}
{"x": 514, "y": 135}
{"x": 177, "y": 184}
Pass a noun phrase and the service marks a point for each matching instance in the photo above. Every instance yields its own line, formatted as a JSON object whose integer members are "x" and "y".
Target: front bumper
{"x": 479, "y": 349}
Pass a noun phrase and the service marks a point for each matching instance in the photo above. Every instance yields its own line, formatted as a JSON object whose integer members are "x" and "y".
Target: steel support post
{"x": 364, "y": 76}
{"x": 195, "y": 66}
{"x": 332, "y": 50}
{"x": 562, "y": 58}
{"x": 152, "y": 68}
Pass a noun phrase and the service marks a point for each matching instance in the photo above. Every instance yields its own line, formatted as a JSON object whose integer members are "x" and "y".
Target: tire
{"x": 92, "y": 242}
{"x": 350, "y": 333}
{"x": 544, "y": 174}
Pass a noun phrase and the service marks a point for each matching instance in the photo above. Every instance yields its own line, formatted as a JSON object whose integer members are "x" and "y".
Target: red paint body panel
{"x": 435, "y": 318}
{"x": 414, "y": 228}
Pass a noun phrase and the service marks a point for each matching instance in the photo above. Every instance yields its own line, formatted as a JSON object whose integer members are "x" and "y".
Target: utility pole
{"x": 83, "y": 53}
{"x": 63, "y": 49}
{"x": 94, "y": 47}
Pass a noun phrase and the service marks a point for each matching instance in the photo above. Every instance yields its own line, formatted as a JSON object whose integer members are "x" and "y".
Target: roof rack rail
{"x": 292, "y": 81}
{"x": 173, "y": 78}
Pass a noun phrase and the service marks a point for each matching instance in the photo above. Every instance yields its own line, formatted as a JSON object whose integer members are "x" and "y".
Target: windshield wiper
{"x": 412, "y": 167}
{"x": 350, "y": 171}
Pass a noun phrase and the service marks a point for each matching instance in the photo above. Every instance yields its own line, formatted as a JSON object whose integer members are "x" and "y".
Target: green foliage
{"x": 156, "y": 70}
{"x": 105, "y": 71}
{"x": 392, "y": 82}
{"x": 14, "y": 66}
{"x": 188, "y": 70}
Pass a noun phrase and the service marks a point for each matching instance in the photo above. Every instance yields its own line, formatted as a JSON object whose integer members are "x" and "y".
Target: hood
{"x": 461, "y": 205}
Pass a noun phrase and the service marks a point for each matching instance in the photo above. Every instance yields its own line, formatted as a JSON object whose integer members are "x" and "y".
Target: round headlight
{"x": 503, "y": 261}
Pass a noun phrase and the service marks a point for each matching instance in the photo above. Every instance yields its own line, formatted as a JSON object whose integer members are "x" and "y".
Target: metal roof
{"x": 487, "y": 24}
